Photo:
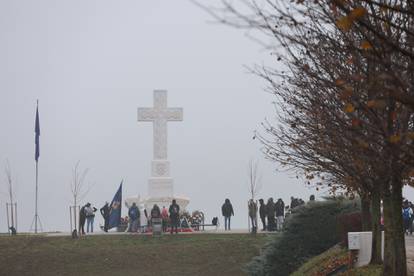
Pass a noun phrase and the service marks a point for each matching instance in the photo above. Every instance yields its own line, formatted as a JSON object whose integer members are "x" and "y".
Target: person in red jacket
{"x": 164, "y": 216}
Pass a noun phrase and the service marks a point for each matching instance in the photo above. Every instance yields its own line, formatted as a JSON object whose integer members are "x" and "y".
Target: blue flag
{"x": 115, "y": 209}
{"x": 37, "y": 134}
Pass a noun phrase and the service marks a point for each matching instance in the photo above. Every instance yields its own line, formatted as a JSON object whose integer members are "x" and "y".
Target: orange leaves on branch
{"x": 344, "y": 23}
{"x": 357, "y": 13}
{"x": 349, "y": 108}
{"x": 366, "y": 45}
{"x": 339, "y": 82}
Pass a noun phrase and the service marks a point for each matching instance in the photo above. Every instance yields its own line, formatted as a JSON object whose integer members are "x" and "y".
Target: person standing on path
{"x": 174, "y": 216}
{"x": 253, "y": 215}
{"x": 280, "y": 214}
{"x": 407, "y": 213}
{"x": 227, "y": 212}
{"x": 164, "y": 216}
{"x": 263, "y": 213}
{"x": 271, "y": 215}
{"x": 82, "y": 219}
{"x": 90, "y": 217}
{"x": 105, "y": 214}
{"x": 134, "y": 216}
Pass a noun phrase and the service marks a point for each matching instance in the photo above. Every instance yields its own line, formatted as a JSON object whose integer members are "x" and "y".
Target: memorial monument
{"x": 160, "y": 184}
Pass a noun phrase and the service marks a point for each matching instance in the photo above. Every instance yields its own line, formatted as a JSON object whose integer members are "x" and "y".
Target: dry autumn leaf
{"x": 349, "y": 108}
{"x": 339, "y": 82}
{"x": 365, "y": 45}
{"x": 357, "y": 13}
{"x": 344, "y": 23}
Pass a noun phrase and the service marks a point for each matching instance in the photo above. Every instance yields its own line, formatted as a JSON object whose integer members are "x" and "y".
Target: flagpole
{"x": 37, "y": 179}
{"x": 36, "y": 218}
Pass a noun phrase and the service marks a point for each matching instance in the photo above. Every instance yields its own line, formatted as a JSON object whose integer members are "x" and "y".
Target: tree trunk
{"x": 365, "y": 212}
{"x": 376, "y": 253}
{"x": 395, "y": 263}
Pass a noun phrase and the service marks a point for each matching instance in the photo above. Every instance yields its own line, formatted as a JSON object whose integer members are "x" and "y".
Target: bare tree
{"x": 254, "y": 179}
{"x": 79, "y": 188}
{"x": 9, "y": 181}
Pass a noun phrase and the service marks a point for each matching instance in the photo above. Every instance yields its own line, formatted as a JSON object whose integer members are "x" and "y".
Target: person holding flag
{"x": 115, "y": 209}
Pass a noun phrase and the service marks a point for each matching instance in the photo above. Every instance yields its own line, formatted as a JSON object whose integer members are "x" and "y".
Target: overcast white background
{"x": 91, "y": 64}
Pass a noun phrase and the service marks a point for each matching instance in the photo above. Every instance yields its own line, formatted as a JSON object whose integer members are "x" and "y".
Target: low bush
{"x": 350, "y": 222}
{"x": 310, "y": 230}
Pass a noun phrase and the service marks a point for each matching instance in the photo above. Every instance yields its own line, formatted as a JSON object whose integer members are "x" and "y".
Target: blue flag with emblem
{"x": 115, "y": 209}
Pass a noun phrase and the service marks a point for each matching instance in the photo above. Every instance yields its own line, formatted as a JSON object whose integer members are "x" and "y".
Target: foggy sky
{"x": 91, "y": 64}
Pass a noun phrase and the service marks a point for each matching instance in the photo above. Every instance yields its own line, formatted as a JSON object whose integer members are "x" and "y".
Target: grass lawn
{"x": 201, "y": 254}
{"x": 318, "y": 265}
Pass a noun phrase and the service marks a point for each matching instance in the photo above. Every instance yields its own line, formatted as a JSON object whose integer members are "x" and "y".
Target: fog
{"x": 91, "y": 64}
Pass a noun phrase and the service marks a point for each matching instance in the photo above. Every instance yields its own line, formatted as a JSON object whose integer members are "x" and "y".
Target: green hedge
{"x": 310, "y": 230}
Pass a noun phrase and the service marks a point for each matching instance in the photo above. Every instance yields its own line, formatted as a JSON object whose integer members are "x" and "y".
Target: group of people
{"x": 272, "y": 214}
{"x": 86, "y": 214}
{"x": 168, "y": 218}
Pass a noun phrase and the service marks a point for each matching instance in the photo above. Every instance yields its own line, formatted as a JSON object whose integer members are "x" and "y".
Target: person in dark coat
{"x": 134, "y": 218}
{"x": 105, "y": 214}
{"x": 227, "y": 212}
{"x": 82, "y": 220}
{"x": 155, "y": 212}
{"x": 293, "y": 202}
{"x": 263, "y": 213}
{"x": 271, "y": 215}
{"x": 253, "y": 215}
{"x": 174, "y": 211}
{"x": 280, "y": 214}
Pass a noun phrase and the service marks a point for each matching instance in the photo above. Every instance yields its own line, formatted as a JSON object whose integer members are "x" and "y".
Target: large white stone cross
{"x": 159, "y": 115}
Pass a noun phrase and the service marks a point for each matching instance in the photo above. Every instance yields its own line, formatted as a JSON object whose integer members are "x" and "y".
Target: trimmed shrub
{"x": 310, "y": 230}
{"x": 351, "y": 222}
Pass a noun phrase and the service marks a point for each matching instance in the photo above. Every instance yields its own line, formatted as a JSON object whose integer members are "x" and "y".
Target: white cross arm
{"x": 174, "y": 114}
{"x": 146, "y": 114}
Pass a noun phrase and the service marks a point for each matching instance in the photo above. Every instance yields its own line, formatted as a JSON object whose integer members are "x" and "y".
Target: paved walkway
{"x": 212, "y": 231}
{"x": 409, "y": 243}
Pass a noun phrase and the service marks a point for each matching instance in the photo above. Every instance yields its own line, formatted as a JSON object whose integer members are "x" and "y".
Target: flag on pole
{"x": 115, "y": 209}
{"x": 37, "y": 133}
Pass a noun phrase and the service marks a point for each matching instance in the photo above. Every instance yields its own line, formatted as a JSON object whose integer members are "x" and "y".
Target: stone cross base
{"x": 160, "y": 187}
{"x": 166, "y": 201}
{"x": 160, "y": 201}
